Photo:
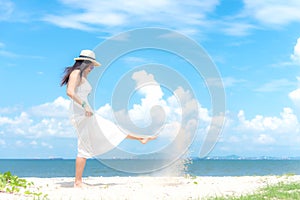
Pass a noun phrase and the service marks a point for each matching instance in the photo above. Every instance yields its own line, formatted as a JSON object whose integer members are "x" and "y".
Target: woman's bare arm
{"x": 74, "y": 81}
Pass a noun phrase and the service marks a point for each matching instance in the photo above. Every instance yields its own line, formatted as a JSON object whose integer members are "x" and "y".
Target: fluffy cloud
{"x": 224, "y": 82}
{"x": 49, "y": 119}
{"x": 287, "y": 123}
{"x": 6, "y": 10}
{"x": 260, "y": 135}
{"x": 265, "y": 139}
{"x": 19, "y": 143}
{"x": 2, "y": 142}
{"x": 273, "y": 12}
{"x": 295, "y": 95}
{"x": 185, "y": 16}
{"x": 237, "y": 28}
{"x": 44, "y": 144}
{"x": 147, "y": 86}
{"x": 132, "y": 13}
{"x": 18, "y": 124}
{"x": 41, "y": 120}
{"x": 296, "y": 55}
{"x": 275, "y": 85}
{"x": 157, "y": 114}
{"x": 58, "y": 108}
{"x": 36, "y": 144}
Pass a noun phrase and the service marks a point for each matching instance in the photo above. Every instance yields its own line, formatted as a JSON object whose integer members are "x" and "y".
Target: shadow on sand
{"x": 70, "y": 184}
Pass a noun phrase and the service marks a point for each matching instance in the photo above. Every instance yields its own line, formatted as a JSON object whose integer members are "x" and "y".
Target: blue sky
{"x": 255, "y": 46}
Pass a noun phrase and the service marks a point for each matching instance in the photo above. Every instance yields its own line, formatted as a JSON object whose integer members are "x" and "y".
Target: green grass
{"x": 280, "y": 191}
{"x": 14, "y": 185}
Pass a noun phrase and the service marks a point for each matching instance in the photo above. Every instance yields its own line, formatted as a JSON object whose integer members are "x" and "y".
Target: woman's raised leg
{"x": 143, "y": 140}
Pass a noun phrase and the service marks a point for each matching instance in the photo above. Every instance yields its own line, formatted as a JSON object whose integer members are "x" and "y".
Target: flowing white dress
{"x": 96, "y": 135}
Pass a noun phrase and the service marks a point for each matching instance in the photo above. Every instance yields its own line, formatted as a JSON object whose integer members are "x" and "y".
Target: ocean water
{"x": 66, "y": 167}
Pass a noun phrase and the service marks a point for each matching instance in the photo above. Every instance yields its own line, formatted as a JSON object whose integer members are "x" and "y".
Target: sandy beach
{"x": 150, "y": 187}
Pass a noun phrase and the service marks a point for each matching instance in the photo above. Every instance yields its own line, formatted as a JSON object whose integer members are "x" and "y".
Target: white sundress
{"x": 96, "y": 135}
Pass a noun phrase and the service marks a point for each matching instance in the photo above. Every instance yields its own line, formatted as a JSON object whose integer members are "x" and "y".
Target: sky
{"x": 254, "y": 45}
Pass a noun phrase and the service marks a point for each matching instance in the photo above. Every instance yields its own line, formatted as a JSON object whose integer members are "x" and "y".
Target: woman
{"x": 95, "y": 134}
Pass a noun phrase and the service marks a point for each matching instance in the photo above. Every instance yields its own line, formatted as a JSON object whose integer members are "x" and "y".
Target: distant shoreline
{"x": 46, "y": 168}
{"x": 192, "y": 158}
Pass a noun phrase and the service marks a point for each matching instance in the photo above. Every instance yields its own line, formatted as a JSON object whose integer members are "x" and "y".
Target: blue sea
{"x": 66, "y": 167}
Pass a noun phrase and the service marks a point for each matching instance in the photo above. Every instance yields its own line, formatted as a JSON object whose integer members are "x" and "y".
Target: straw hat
{"x": 88, "y": 55}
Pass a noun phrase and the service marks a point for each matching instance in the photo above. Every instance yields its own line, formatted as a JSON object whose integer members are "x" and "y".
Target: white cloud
{"x": 296, "y": 55}
{"x": 6, "y": 9}
{"x": 170, "y": 130}
{"x": 44, "y": 144}
{"x": 231, "y": 81}
{"x": 135, "y": 60}
{"x": 215, "y": 82}
{"x": 9, "y": 110}
{"x": 19, "y": 143}
{"x": 95, "y": 14}
{"x": 121, "y": 37}
{"x": 270, "y": 13}
{"x": 49, "y": 119}
{"x": 295, "y": 95}
{"x": 265, "y": 139}
{"x": 234, "y": 139}
{"x": 163, "y": 114}
{"x": 261, "y": 135}
{"x": 106, "y": 112}
{"x": 153, "y": 109}
{"x": 58, "y": 108}
{"x": 9, "y": 54}
{"x": 147, "y": 86}
{"x": 287, "y": 123}
{"x": 189, "y": 17}
{"x": 237, "y": 28}
{"x": 273, "y": 12}
{"x": 23, "y": 118}
{"x": 275, "y": 85}
{"x": 2, "y": 142}
{"x": 51, "y": 127}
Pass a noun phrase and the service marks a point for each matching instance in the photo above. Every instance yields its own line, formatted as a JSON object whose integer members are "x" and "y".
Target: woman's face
{"x": 89, "y": 69}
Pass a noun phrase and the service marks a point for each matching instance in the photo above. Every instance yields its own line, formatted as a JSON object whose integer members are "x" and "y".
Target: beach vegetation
{"x": 188, "y": 176}
{"x": 290, "y": 174}
{"x": 280, "y": 191}
{"x": 192, "y": 178}
{"x": 12, "y": 184}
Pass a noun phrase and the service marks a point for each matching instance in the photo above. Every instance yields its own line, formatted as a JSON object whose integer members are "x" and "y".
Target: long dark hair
{"x": 79, "y": 64}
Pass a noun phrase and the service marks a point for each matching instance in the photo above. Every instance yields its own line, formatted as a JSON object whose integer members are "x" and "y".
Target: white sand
{"x": 141, "y": 188}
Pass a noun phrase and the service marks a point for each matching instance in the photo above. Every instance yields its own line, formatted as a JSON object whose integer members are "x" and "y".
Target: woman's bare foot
{"x": 80, "y": 185}
{"x": 147, "y": 139}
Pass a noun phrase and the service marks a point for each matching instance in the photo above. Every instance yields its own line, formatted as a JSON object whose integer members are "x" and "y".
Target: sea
{"x": 49, "y": 168}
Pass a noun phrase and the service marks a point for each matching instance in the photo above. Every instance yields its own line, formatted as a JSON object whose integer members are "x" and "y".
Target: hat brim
{"x": 96, "y": 64}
